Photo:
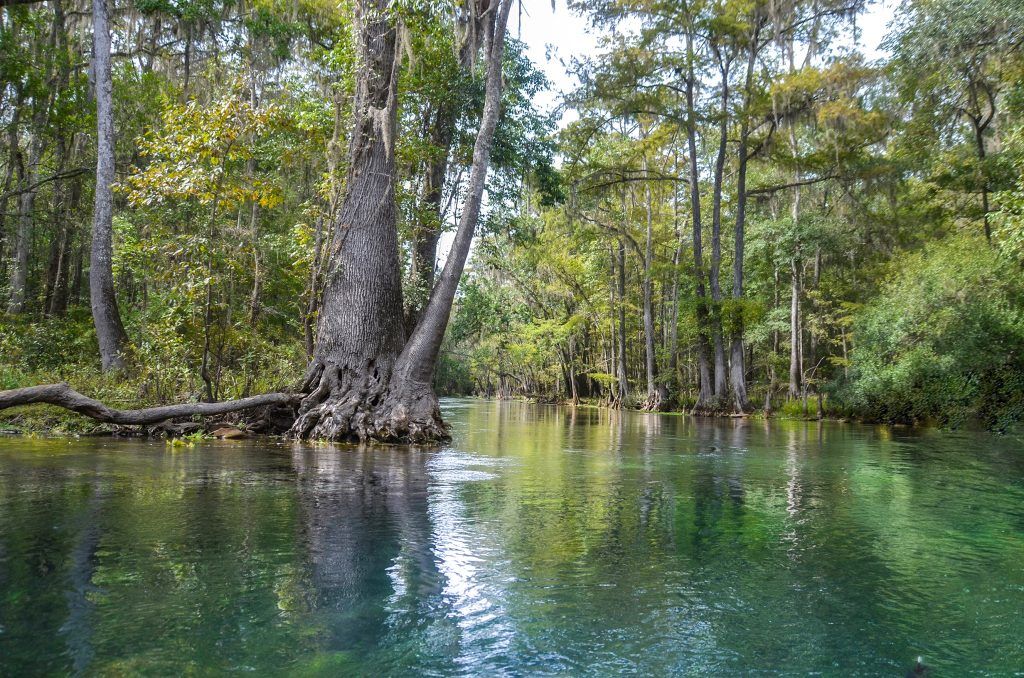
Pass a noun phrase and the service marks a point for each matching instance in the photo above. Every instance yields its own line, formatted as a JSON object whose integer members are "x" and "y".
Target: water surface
{"x": 544, "y": 540}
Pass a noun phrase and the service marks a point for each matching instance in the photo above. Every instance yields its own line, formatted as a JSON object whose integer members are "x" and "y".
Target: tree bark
{"x": 113, "y": 340}
{"x": 60, "y": 229}
{"x": 428, "y": 227}
{"x": 795, "y": 333}
{"x": 653, "y": 401}
{"x": 13, "y": 162}
{"x": 721, "y": 385}
{"x": 623, "y": 376}
{"x": 706, "y": 393}
{"x": 365, "y": 381}
{"x": 796, "y": 366}
{"x": 411, "y": 404}
{"x": 37, "y": 148}
{"x": 979, "y": 141}
{"x": 737, "y": 368}
{"x": 360, "y": 331}
{"x": 423, "y": 262}
{"x": 22, "y": 243}
{"x": 673, "y": 341}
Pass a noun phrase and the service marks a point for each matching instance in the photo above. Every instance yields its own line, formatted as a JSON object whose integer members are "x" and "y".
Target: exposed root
{"x": 362, "y": 403}
{"x": 411, "y": 413}
{"x": 714, "y": 407}
{"x": 340, "y": 403}
{"x": 657, "y": 401}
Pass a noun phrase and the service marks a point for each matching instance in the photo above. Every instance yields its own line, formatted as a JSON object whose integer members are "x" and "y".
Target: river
{"x": 543, "y": 540}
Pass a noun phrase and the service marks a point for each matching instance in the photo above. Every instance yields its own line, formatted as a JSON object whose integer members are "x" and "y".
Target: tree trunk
{"x": 423, "y": 263}
{"x": 574, "y": 393}
{"x": 795, "y": 367}
{"x": 37, "y": 147}
{"x": 60, "y": 229}
{"x": 363, "y": 383}
{"x": 812, "y": 338}
{"x": 428, "y": 229}
{"x": 26, "y": 216}
{"x": 360, "y": 331}
{"x": 623, "y": 377}
{"x": 721, "y": 386}
{"x": 706, "y": 389}
{"x": 612, "y": 357}
{"x": 22, "y": 243}
{"x": 75, "y": 294}
{"x": 13, "y": 162}
{"x": 64, "y": 396}
{"x": 256, "y": 295}
{"x": 411, "y": 404}
{"x": 979, "y": 141}
{"x": 113, "y": 340}
{"x": 653, "y": 401}
{"x": 796, "y": 265}
{"x": 673, "y": 341}
{"x": 775, "y": 343}
{"x": 737, "y": 368}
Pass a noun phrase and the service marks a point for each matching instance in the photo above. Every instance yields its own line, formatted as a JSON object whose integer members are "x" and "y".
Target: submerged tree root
{"x": 62, "y": 395}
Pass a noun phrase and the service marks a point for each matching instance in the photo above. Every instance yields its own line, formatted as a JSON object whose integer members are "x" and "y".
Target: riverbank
{"x": 792, "y": 410}
{"x": 42, "y": 419}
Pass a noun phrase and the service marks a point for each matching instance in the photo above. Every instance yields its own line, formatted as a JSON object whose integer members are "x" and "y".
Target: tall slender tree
{"x": 113, "y": 340}
{"x": 412, "y": 404}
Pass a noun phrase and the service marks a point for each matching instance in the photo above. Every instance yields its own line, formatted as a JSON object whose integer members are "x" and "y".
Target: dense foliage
{"x": 875, "y": 208}
{"x": 943, "y": 340}
{"x": 232, "y": 121}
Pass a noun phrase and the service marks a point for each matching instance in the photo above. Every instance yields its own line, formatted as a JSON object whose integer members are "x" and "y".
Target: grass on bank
{"x": 165, "y": 370}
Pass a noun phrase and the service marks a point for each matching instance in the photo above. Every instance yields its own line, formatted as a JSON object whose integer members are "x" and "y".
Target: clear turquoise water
{"x": 542, "y": 541}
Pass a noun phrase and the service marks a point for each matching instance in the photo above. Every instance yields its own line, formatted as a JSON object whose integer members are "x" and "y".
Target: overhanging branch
{"x": 781, "y": 187}
{"x": 67, "y": 174}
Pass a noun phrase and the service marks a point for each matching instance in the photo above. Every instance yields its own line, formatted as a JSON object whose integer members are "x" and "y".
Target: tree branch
{"x": 62, "y": 395}
{"x": 793, "y": 184}
{"x": 623, "y": 179}
{"x": 67, "y": 174}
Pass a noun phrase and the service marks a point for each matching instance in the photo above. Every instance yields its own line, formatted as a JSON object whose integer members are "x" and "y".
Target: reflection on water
{"x": 543, "y": 540}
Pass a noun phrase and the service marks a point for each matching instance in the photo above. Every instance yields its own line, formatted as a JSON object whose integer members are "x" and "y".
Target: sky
{"x": 555, "y": 37}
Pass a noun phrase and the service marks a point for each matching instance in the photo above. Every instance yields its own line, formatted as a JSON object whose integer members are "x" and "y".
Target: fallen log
{"x": 62, "y": 395}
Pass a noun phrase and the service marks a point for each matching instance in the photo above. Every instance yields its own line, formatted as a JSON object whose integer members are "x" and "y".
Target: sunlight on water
{"x": 543, "y": 540}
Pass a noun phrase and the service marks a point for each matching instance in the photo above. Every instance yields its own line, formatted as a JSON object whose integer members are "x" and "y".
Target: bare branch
{"x": 794, "y": 184}
{"x": 67, "y": 174}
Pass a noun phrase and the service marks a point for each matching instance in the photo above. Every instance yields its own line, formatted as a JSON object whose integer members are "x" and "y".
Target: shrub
{"x": 944, "y": 341}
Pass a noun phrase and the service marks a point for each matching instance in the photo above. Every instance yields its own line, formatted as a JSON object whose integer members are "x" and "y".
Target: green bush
{"x": 943, "y": 342}
{"x": 165, "y": 365}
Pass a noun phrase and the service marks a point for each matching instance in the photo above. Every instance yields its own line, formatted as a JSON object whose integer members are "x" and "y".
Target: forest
{"x": 327, "y": 214}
